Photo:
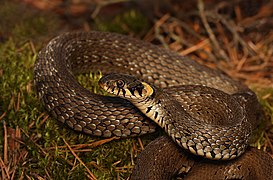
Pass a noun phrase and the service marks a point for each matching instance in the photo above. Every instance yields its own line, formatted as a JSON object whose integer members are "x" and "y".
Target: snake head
{"x": 125, "y": 86}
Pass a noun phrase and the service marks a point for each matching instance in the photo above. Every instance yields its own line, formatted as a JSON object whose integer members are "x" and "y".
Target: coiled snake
{"x": 227, "y": 129}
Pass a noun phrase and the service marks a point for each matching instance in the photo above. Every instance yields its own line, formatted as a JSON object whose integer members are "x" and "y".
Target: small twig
{"x": 11, "y": 102}
{"x": 32, "y": 47}
{"x": 133, "y": 150}
{"x": 140, "y": 143}
{"x": 3, "y": 166}
{"x": 17, "y": 107}
{"x": 5, "y": 161}
{"x": 157, "y": 27}
{"x": 190, "y": 45}
{"x": 77, "y": 157}
{"x": 194, "y": 48}
{"x": 91, "y": 145}
{"x": 5, "y": 143}
{"x": 3, "y": 115}
{"x": 269, "y": 142}
{"x": 209, "y": 30}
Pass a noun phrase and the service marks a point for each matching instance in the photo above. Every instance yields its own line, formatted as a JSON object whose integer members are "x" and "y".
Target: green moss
{"x": 266, "y": 99}
{"x": 130, "y": 21}
{"x": 16, "y": 82}
{"x": 265, "y": 96}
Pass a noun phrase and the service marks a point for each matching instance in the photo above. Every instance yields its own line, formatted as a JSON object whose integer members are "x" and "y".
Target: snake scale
{"x": 65, "y": 99}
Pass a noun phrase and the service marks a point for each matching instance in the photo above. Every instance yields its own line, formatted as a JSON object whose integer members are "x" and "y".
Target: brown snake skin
{"x": 252, "y": 165}
{"x": 70, "y": 103}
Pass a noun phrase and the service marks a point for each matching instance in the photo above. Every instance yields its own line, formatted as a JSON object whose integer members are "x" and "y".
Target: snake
{"x": 203, "y": 110}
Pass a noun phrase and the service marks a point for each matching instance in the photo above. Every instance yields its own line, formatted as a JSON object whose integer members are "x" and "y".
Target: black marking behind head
{"x": 113, "y": 89}
{"x": 149, "y": 108}
{"x": 132, "y": 90}
{"x": 156, "y": 114}
{"x": 119, "y": 91}
{"x": 136, "y": 86}
{"x": 123, "y": 92}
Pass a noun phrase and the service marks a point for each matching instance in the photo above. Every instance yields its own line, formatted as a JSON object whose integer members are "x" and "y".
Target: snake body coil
{"x": 73, "y": 53}
{"x": 207, "y": 122}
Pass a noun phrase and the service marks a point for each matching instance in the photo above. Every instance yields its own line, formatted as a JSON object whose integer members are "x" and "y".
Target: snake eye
{"x": 120, "y": 83}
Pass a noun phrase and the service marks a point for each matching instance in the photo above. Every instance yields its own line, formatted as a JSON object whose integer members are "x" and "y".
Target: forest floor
{"x": 234, "y": 37}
